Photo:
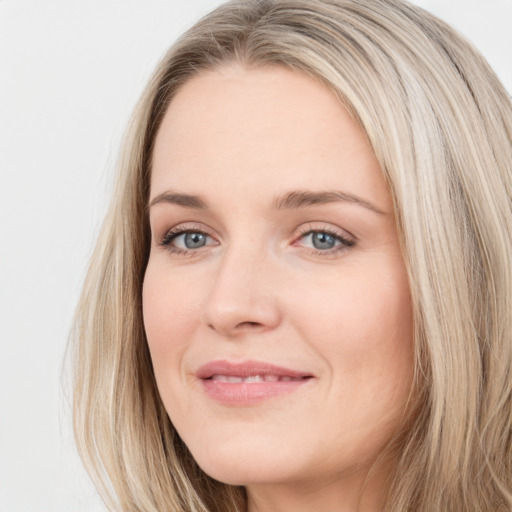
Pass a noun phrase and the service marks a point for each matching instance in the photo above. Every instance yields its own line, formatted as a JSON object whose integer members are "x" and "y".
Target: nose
{"x": 243, "y": 297}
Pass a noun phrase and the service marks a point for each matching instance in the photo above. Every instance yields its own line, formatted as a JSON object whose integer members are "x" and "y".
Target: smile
{"x": 255, "y": 378}
{"x": 248, "y": 383}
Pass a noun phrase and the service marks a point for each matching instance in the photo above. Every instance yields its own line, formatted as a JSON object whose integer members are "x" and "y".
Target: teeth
{"x": 253, "y": 378}
{"x": 227, "y": 378}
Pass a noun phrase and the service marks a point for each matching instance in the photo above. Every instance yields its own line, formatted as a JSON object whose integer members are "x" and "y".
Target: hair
{"x": 440, "y": 124}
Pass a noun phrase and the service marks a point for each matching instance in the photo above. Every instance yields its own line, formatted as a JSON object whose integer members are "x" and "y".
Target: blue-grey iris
{"x": 194, "y": 240}
{"x": 323, "y": 240}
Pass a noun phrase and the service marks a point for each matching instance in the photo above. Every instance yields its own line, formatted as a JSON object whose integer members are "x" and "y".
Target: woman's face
{"x": 276, "y": 301}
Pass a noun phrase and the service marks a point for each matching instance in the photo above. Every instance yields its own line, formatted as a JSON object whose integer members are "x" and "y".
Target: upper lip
{"x": 246, "y": 369}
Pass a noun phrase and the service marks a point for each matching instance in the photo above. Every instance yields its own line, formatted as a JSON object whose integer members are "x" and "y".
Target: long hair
{"x": 440, "y": 124}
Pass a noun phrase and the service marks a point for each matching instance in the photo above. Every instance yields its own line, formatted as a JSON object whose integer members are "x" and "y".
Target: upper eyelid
{"x": 344, "y": 241}
{"x": 328, "y": 228}
{"x": 304, "y": 228}
{"x": 180, "y": 229}
{"x": 298, "y": 232}
{"x": 184, "y": 227}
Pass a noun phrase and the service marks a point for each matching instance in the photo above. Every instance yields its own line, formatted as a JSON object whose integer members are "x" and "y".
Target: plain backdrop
{"x": 70, "y": 73}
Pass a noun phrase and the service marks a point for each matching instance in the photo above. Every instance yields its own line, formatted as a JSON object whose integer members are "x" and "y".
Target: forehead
{"x": 244, "y": 128}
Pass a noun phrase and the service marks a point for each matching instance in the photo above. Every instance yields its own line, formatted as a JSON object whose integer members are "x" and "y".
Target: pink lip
{"x": 248, "y": 393}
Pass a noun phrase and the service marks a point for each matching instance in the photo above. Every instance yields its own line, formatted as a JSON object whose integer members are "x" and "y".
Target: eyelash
{"x": 173, "y": 233}
{"x": 344, "y": 241}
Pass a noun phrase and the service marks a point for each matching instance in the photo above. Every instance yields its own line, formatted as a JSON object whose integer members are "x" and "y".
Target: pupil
{"x": 194, "y": 240}
{"x": 323, "y": 241}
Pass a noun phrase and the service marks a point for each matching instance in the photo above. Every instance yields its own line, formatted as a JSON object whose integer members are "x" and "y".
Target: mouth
{"x": 249, "y": 382}
{"x": 255, "y": 378}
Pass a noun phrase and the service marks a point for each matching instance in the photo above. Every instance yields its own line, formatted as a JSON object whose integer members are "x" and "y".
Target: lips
{"x": 248, "y": 369}
{"x": 249, "y": 382}
{"x": 253, "y": 378}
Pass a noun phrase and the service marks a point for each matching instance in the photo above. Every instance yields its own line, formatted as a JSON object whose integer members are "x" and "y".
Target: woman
{"x": 301, "y": 296}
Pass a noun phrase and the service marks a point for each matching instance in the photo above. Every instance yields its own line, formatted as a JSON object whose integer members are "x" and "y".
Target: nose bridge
{"x": 241, "y": 296}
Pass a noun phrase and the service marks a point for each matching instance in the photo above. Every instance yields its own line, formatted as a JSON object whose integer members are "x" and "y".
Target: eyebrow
{"x": 292, "y": 200}
{"x": 304, "y": 198}
{"x": 185, "y": 200}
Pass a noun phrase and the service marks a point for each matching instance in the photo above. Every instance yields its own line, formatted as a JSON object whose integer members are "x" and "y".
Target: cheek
{"x": 363, "y": 308}
{"x": 361, "y": 324}
{"x": 170, "y": 317}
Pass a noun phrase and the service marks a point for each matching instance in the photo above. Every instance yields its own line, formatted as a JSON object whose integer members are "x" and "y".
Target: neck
{"x": 358, "y": 492}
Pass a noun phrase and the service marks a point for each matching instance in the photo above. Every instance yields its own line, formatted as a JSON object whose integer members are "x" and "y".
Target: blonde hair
{"x": 440, "y": 124}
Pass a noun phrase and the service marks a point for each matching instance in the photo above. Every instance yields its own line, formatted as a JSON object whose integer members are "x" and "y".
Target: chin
{"x": 243, "y": 465}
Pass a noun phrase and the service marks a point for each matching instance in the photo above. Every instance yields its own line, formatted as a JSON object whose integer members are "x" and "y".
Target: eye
{"x": 190, "y": 240}
{"x": 181, "y": 240}
{"x": 324, "y": 242}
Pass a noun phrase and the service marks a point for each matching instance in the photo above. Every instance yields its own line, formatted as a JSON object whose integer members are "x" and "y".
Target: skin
{"x": 259, "y": 289}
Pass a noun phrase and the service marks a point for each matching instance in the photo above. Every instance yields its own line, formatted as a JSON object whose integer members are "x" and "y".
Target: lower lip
{"x": 249, "y": 393}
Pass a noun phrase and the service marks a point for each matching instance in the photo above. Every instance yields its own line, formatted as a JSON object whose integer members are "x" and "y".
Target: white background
{"x": 70, "y": 73}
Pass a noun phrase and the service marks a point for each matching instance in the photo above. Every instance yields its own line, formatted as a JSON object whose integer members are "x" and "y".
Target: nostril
{"x": 241, "y": 325}
{"x": 248, "y": 324}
